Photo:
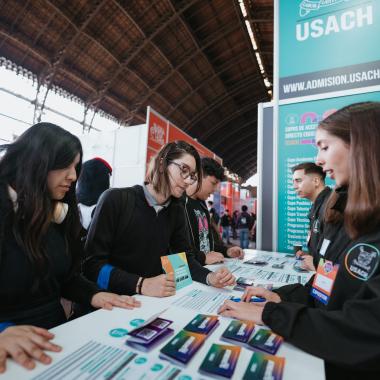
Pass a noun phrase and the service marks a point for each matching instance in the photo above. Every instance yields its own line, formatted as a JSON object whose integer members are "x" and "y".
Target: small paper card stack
{"x": 266, "y": 340}
{"x": 220, "y": 361}
{"x": 238, "y": 331}
{"x": 263, "y": 366}
{"x": 182, "y": 347}
{"x": 202, "y": 324}
{"x": 150, "y": 333}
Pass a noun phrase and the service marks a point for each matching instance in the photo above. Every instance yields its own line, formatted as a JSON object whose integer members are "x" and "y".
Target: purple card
{"x": 149, "y": 331}
{"x": 153, "y": 343}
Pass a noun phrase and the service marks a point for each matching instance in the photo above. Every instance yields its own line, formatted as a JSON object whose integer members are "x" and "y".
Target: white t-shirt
{"x": 85, "y": 212}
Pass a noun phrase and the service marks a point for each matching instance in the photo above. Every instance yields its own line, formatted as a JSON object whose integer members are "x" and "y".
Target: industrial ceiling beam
{"x": 25, "y": 44}
{"x": 218, "y": 102}
{"x": 198, "y": 46}
{"x": 135, "y": 50}
{"x": 221, "y": 142}
{"x": 215, "y": 128}
{"x": 226, "y": 66}
{"x": 95, "y": 102}
{"x": 183, "y": 60}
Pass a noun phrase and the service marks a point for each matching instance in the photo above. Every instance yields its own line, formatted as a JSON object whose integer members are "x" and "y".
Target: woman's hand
{"x": 26, "y": 344}
{"x": 235, "y": 252}
{"x": 159, "y": 286}
{"x": 307, "y": 263}
{"x": 109, "y": 300}
{"x": 242, "y": 310}
{"x": 214, "y": 258}
{"x": 252, "y": 291}
{"x": 221, "y": 278}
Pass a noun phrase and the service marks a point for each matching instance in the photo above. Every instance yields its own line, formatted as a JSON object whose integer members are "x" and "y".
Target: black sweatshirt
{"x": 28, "y": 298}
{"x": 118, "y": 253}
{"x": 346, "y": 331}
{"x": 315, "y": 216}
{"x": 199, "y": 223}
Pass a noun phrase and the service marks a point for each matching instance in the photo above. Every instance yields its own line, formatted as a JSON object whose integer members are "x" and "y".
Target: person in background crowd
{"x": 309, "y": 183}
{"x": 234, "y": 221}
{"x": 225, "y": 222}
{"x": 133, "y": 227}
{"x": 206, "y": 249}
{"x": 336, "y": 315}
{"x": 213, "y": 213}
{"x": 93, "y": 181}
{"x": 244, "y": 225}
{"x": 40, "y": 243}
{"x": 253, "y": 229}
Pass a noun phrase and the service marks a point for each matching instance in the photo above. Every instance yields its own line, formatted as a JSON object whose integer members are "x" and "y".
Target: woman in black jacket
{"x": 336, "y": 316}
{"x": 40, "y": 242}
{"x": 133, "y": 227}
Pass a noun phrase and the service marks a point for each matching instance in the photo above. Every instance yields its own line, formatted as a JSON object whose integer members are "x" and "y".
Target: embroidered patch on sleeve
{"x": 362, "y": 261}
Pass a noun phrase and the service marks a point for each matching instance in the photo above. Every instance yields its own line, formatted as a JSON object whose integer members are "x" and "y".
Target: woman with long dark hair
{"x": 133, "y": 227}
{"x": 336, "y": 316}
{"x": 40, "y": 242}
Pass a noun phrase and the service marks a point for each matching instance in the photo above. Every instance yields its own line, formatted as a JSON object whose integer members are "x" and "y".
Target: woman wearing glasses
{"x": 133, "y": 227}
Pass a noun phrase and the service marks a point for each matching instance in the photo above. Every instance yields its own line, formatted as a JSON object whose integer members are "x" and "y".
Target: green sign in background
{"x": 297, "y": 124}
{"x": 349, "y": 36}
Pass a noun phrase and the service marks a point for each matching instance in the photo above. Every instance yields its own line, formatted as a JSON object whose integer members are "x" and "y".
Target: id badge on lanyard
{"x": 324, "y": 281}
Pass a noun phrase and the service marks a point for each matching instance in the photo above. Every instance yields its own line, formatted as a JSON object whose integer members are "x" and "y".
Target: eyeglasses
{"x": 185, "y": 171}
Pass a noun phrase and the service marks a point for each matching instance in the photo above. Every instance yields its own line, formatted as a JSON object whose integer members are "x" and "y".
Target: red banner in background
{"x": 161, "y": 131}
{"x": 157, "y": 130}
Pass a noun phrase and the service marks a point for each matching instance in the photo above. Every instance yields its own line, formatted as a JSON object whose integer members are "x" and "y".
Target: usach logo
{"x": 308, "y": 6}
{"x": 330, "y": 23}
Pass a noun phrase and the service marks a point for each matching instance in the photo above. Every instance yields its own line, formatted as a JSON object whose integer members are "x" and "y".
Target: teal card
{"x": 177, "y": 264}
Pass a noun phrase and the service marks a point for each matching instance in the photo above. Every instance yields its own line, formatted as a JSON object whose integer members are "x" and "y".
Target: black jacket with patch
{"x": 315, "y": 216}
{"x": 346, "y": 331}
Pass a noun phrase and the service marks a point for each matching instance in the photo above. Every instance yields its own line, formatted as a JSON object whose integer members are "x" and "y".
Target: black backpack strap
{"x": 128, "y": 196}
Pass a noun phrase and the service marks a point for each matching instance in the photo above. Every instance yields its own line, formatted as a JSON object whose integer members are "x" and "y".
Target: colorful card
{"x": 266, "y": 340}
{"x": 220, "y": 360}
{"x": 177, "y": 264}
{"x": 264, "y": 366}
{"x": 182, "y": 347}
{"x": 149, "y": 331}
{"x": 239, "y": 331}
{"x": 202, "y": 324}
{"x": 146, "y": 346}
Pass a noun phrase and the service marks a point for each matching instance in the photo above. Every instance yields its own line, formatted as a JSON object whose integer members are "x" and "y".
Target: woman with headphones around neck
{"x": 40, "y": 243}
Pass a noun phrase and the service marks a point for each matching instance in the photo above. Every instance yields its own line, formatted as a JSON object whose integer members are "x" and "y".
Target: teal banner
{"x": 328, "y": 45}
{"x": 296, "y": 144}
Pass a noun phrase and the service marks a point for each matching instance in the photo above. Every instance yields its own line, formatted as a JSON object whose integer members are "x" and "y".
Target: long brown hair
{"x": 157, "y": 173}
{"x": 25, "y": 166}
{"x": 358, "y": 126}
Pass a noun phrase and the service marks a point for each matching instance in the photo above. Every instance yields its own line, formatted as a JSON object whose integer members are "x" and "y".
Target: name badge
{"x": 324, "y": 247}
{"x": 324, "y": 281}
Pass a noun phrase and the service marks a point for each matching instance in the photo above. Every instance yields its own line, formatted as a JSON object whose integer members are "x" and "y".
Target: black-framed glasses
{"x": 186, "y": 172}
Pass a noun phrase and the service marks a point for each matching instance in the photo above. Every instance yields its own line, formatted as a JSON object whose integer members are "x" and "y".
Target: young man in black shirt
{"x": 202, "y": 233}
{"x": 309, "y": 183}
